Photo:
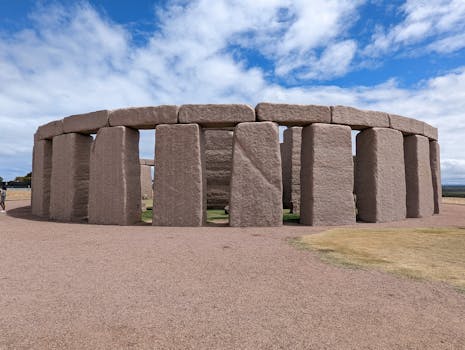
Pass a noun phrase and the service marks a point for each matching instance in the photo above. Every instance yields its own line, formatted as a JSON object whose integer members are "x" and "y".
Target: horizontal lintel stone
{"x": 88, "y": 123}
{"x": 216, "y": 115}
{"x": 359, "y": 119}
{"x": 149, "y": 162}
{"x": 50, "y": 130}
{"x": 408, "y": 126}
{"x": 144, "y": 117}
{"x": 430, "y": 132}
{"x": 293, "y": 114}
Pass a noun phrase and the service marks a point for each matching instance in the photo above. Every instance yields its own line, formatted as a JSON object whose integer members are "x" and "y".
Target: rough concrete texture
{"x": 70, "y": 177}
{"x": 41, "y": 174}
{"x": 418, "y": 178}
{"x": 256, "y": 183}
{"x": 290, "y": 159}
{"x": 87, "y": 123}
{"x": 430, "y": 132}
{"x": 435, "y": 161}
{"x": 380, "y": 175}
{"x": 359, "y": 119}
{"x": 216, "y": 115}
{"x": 327, "y": 176}
{"x": 149, "y": 162}
{"x": 292, "y": 114}
{"x": 180, "y": 197}
{"x": 407, "y": 126}
{"x": 146, "y": 183}
{"x": 114, "y": 190}
{"x": 144, "y": 117}
{"x": 50, "y": 130}
{"x": 218, "y": 158}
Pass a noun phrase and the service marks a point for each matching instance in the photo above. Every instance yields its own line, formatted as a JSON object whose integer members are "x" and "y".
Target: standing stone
{"x": 435, "y": 161}
{"x": 327, "y": 176}
{"x": 256, "y": 180}
{"x": 291, "y": 168}
{"x": 418, "y": 178}
{"x": 41, "y": 174}
{"x": 180, "y": 182}
{"x": 218, "y": 158}
{"x": 70, "y": 177}
{"x": 114, "y": 191}
{"x": 146, "y": 184}
{"x": 380, "y": 175}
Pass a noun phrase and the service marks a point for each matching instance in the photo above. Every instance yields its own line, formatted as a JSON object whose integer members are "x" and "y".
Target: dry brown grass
{"x": 453, "y": 200}
{"x": 428, "y": 253}
{"x": 18, "y": 195}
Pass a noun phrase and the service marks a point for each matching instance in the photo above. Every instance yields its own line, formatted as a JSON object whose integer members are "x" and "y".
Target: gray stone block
{"x": 430, "y": 132}
{"x": 41, "y": 175}
{"x": 144, "y": 117}
{"x": 418, "y": 178}
{"x": 358, "y": 119}
{"x": 70, "y": 177}
{"x": 216, "y": 115}
{"x": 50, "y": 130}
{"x": 179, "y": 197}
{"x": 293, "y": 114}
{"x": 327, "y": 176}
{"x": 146, "y": 182}
{"x": 380, "y": 175}
{"x": 291, "y": 168}
{"x": 87, "y": 123}
{"x": 435, "y": 162}
{"x": 114, "y": 191}
{"x": 407, "y": 126}
{"x": 256, "y": 183}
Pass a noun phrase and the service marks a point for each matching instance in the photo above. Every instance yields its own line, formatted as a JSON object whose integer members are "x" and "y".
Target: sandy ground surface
{"x": 71, "y": 286}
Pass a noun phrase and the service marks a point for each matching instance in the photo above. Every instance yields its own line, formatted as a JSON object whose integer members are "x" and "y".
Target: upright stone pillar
{"x": 418, "y": 178}
{"x": 256, "y": 182}
{"x": 41, "y": 174}
{"x": 380, "y": 175}
{"x": 114, "y": 190}
{"x": 180, "y": 182}
{"x": 70, "y": 177}
{"x": 291, "y": 168}
{"x": 327, "y": 176}
{"x": 146, "y": 184}
{"x": 435, "y": 162}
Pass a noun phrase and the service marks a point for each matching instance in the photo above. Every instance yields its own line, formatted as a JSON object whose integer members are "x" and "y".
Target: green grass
{"x": 453, "y": 191}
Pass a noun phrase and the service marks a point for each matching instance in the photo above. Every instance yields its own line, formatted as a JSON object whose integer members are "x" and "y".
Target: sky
{"x": 59, "y": 58}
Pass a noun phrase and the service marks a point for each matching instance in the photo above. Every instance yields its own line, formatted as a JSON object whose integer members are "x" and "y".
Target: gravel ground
{"x": 71, "y": 286}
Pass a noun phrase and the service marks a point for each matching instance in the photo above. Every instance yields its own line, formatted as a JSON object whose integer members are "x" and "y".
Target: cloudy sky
{"x": 66, "y": 57}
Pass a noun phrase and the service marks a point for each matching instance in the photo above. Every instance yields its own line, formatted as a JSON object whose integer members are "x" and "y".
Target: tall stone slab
{"x": 256, "y": 182}
{"x": 70, "y": 177}
{"x": 292, "y": 138}
{"x": 418, "y": 178}
{"x": 41, "y": 175}
{"x": 435, "y": 162}
{"x": 179, "y": 197}
{"x": 380, "y": 175}
{"x": 146, "y": 185}
{"x": 327, "y": 176}
{"x": 114, "y": 190}
{"x": 218, "y": 157}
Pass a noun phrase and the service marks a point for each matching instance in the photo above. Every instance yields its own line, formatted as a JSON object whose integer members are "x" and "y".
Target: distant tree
{"x": 1, "y": 179}
{"x": 26, "y": 178}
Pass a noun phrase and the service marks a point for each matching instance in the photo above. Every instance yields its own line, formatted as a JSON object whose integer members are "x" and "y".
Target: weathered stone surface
{"x": 146, "y": 182}
{"x": 407, "y": 126}
{"x": 418, "y": 178}
{"x": 41, "y": 175}
{"x": 179, "y": 197}
{"x": 149, "y": 162}
{"x": 430, "y": 132}
{"x": 291, "y": 168}
{"x": 216, "y": 115}
{"x": 144, "y": 117}
{"x": 256, "y": 183}
{"x": 327, "y": 176}
{"x": 50, "y": 130}
{"x": 114, "y": 190}
{"x": 359, "y": 119}
{"x": 292, "y": 114}
{"x": 380, "y": 175}
{"x": 218, "y": 158}
{"x": 87, "y": 123}
{"x": 70, "y": 177}
{"x": 435, "y": 162}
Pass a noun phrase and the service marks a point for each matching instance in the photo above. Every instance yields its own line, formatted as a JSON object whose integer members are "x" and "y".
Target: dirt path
{"x": 107, "y": 287}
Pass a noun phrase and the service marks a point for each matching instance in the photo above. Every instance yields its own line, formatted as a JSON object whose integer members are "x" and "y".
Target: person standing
{"x": 2, "y": 198}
